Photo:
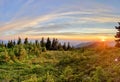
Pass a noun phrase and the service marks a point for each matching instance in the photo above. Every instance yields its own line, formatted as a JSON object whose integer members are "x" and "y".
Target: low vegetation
{"x": 31, "y": 62}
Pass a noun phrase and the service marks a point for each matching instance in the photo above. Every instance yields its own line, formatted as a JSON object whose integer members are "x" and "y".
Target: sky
{"x": 80, "y": 20}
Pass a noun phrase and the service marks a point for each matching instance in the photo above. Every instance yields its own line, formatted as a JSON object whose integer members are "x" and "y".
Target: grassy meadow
{"x": 18, "y": 64}
{"x": 59, "y": 40}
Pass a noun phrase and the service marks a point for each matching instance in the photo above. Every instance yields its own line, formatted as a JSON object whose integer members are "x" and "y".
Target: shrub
{"x": 20, "y": 52}
{"x": 4, "y": 57}
{"x": 67, "y": 73}
{"x": 99, "y": 75}
{"x": 12, "y": 55}
{"x": 43, "y": 49}
{"x": 49, "y": 77}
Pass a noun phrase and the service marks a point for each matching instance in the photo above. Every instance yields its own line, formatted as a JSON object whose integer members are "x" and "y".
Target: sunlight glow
{"x": 103, "y": 38}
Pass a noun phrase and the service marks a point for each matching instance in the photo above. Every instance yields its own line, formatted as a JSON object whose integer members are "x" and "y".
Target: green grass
{"x": 90, "y": 65}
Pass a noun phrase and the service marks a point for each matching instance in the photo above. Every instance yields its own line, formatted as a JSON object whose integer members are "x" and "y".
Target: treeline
{"x": 46, "y": 45}
{"x": 23, "y": 49}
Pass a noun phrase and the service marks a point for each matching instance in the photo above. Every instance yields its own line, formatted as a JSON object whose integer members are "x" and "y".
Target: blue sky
{"x": 64, "y": 19}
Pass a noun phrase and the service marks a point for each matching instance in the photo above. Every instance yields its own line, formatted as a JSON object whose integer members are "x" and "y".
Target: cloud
{"x": 69, "y": 34}
{"x": 25, "y": 23}
{"x": 63, "y": 21}
{"x": 101, "y": 19}
{"x": 32, "y": 22}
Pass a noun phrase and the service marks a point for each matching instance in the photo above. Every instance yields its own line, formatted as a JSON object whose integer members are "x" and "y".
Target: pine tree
{"x": 68, "y": 46}
{"x": 19, "y": 41}
{"x": 60, "y": 46}
{"x": 42, "y": 42}
{"x": 55, "y": 44}
{"x": 10, "y": 44}
{"x": 117, "y": 35}
{"x": 64, "y": 46}
{"x": 36, "y": 42}
{"x": 48, "y": 44}
{"x": 14, "y": 43}
{"x": 20, "y": 52}
{"x": 26, "y": 41}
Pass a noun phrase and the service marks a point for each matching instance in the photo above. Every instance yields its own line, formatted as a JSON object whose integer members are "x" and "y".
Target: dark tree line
{"x": 48, "y": 44}
{"x": 55, "y": 45}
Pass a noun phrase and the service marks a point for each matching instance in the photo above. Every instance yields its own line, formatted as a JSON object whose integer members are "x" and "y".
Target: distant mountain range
{"x": 94, "y": 44}
{"x": 84, "y": 44}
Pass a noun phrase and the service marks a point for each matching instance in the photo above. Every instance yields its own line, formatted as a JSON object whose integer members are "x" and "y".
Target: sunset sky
{"x": 62, "y": 19}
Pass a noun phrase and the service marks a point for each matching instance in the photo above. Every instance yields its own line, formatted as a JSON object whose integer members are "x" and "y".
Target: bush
{"x": 99, "y": 75}
{"x": 12, "y": 55}
{"x": 67, "y": 74}
{"x": 20, "y": 52}
{"x": 43, "y": 49}
{"x": 4, "y": 57}
{"x": 32, "y": 78}
{"x": 49, "y": 77}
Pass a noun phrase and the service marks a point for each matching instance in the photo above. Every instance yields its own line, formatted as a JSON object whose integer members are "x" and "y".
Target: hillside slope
{"x": 90, "y": 65}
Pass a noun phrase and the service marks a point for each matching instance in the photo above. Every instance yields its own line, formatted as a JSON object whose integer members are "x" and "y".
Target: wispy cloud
{"x": 22, "y": 9}
{"x": 33, "y": 22}
{"x": 61, "y": 20}
{"x": 101, "y": 19}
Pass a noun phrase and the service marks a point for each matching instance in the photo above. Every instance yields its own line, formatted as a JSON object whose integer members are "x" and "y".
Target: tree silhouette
{"x": 42, "y": 42}
{"x": 36, "y": 42}
{"x": 117, "y": 35}
{"x": 64, "y": 46}
{"x": 55, "y": 44}
{"x": 14, "y": 42}
{"x": 26, "y": 41}
{"x": 19, "y": 41}
{"x": 10, "y": 44}
{"x": 68, "y": 46}
{"x": 48, "y": 44}
{"x": 60, "y": 46}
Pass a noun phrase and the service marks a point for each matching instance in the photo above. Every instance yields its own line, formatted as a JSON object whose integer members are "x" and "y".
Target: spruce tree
{"x": 19, "y": 41}
{"x": 55, "y": 44}
{"x": 68, "y": 46}
{"x": 26, "y": 41}
{"x": 10, "y": 44}
{"x": 36, "y": 42}
{"x": 48, "y": 44}
{"x": 14, "y": 43}
{"x": 22, "y": 53}
{"x": 64, "y": 46}
{"x": 42, "y": 42}
{"x": 60, "y": 46}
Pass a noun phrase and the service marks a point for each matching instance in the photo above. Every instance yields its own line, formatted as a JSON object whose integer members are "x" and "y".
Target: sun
{"x": 103, "y": 38}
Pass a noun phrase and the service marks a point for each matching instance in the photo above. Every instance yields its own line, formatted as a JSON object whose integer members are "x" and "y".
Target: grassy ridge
{"x": 90, "y": 65}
